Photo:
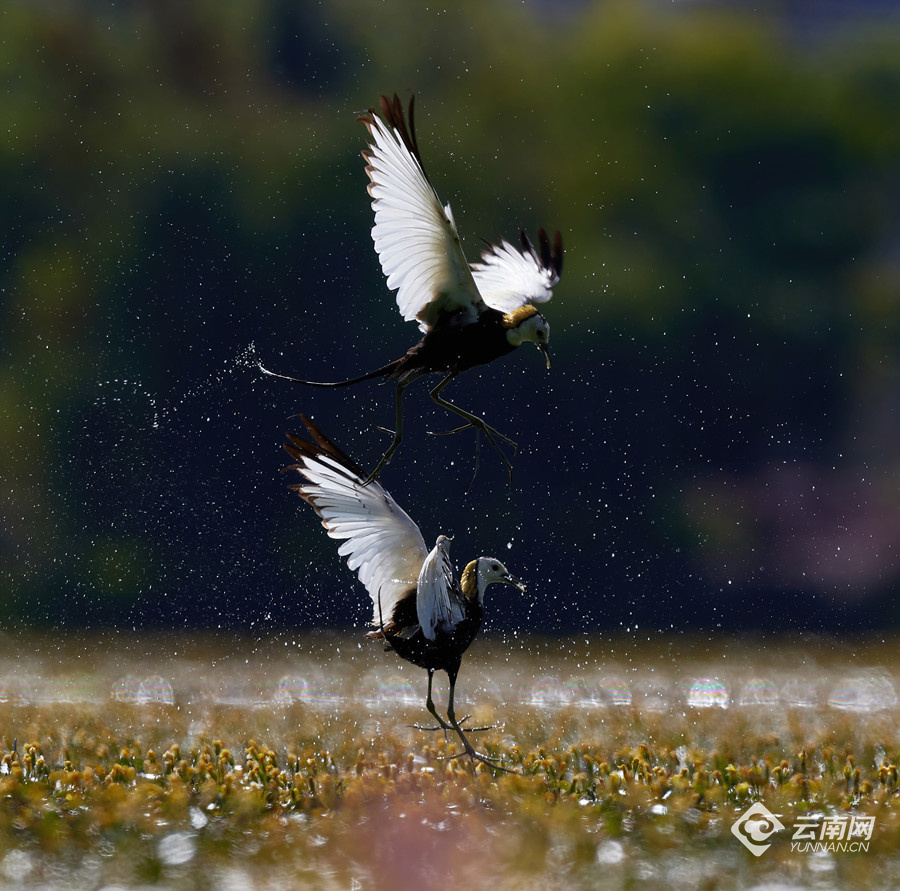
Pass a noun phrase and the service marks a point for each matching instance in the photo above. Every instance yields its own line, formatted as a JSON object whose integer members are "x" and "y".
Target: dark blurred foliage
{"x": 718, "y": 442}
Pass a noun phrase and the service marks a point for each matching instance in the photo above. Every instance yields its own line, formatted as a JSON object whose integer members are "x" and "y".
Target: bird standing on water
{"x": 420, "y": 610}
{"x": 468, "y": 314}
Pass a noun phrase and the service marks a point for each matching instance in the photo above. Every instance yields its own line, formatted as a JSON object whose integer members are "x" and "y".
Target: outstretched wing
{"x": 415, "y": 236}
{"x": 437, "y": 604}
{"x": 508, "y": 277}
{"x": 380, "y": 541}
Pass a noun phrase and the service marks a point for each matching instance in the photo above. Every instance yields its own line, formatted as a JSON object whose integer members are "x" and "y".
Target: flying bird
{"x": 469, "y": 314}
{"x": 420, "y": 610}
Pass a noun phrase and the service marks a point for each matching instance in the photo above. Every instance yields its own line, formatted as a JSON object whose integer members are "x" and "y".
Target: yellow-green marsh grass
{"x": 290, "y": 762}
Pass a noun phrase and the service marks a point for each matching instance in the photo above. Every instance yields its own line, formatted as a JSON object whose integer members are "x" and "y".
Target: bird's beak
{"x": 512, "y": 580}
{"x": 546, "y": 351}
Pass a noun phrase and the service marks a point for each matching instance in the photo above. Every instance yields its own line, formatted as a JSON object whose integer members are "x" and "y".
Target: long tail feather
{"x": 378, "y": 372}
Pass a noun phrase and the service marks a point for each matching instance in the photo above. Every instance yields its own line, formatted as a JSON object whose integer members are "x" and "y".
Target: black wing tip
{"x": 401, "y": 121}
{"x": 550, "y": 255}
{"x": 312, "y": 450}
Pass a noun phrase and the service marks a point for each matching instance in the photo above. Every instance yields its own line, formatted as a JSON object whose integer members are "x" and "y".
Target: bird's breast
{"x": 445, "y": 650}
{"x": 458, "y": 348}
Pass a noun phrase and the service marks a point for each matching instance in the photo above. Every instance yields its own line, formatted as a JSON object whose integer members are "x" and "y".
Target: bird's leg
{"x": 442, "y": 724}
{"x": 473, "y": 421}
{"x": 398, "y": 430}
{"x": 429, "y": 704}
{"x": 470, "y": 750}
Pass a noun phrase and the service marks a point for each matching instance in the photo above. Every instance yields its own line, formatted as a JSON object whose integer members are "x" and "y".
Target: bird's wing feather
{"x": 415, "y": 236}
{"x": 437, "y": 605}
{"x": 381, "y": 543}
{"x": 509, "y": 277}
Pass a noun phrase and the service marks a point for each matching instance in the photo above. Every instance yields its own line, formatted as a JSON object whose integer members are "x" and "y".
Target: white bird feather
{"x": 381, "y": 542}
{"x": 418, "y": 244}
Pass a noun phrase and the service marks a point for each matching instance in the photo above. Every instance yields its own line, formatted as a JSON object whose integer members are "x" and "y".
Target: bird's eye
{"x": 495, "y": 567}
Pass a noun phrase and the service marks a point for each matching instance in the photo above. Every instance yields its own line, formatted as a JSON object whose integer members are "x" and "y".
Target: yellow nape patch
{"x": 468, "y": 582}
{"x": 517, "y": 316}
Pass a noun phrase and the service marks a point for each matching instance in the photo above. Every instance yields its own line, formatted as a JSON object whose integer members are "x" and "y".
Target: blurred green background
{"x": 717, "y": 445}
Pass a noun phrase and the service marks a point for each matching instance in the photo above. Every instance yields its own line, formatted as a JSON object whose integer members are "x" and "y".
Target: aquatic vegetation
{"x": 319, "y": 791}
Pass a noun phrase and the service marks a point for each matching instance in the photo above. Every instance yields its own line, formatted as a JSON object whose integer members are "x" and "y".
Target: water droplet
{"x": 707, "y": 693}
{"x": 154, "y": 689}
{"x": 864, "y": 693}
{"x": 176, "y": 848}
{"x": 758, "y": 691}
{"x": 610, "y": 853}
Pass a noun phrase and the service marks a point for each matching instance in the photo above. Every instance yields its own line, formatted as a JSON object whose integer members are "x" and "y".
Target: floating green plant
{"x": 327, "y": 791}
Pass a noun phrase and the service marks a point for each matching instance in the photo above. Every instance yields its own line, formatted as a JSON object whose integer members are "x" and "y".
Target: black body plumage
{"x": 454, "y": 346}
{"x": 449, "y": 348}
{"x": 445, "y": 652}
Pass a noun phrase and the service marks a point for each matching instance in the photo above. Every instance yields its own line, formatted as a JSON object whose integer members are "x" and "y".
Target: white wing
{"x": 415, "y": 236}
{"x": 508, "y": 277}
{"x": 380, "y": 540}
{"x": 437, "y": 606}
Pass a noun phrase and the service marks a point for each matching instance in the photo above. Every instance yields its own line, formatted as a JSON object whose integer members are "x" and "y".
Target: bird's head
{"x": 481, "y": 572}
{"x": 527, "y": 324}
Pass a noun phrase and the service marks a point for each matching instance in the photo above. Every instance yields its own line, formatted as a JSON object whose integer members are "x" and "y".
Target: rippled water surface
{"x": 688, "y": 705}
{"x": 346, "y": 671}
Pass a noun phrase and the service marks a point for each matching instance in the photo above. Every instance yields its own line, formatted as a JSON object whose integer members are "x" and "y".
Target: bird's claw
{"x": 446, "y": 727}
{"x": 470, "y": 752}
{"x": 488, "y": 431}
{"x": 470, "y": 749}
{"x": 484, "y": 759}
{"x": 492, "y": 437}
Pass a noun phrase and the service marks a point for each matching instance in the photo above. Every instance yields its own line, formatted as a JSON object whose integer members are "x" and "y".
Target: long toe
{"x": 462, "y": 721}
{"x": 493, "y": 432}
{"x": 444, "y": 727}
{"x": 450, "y": 432}
{"x": 475, "y": 755}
